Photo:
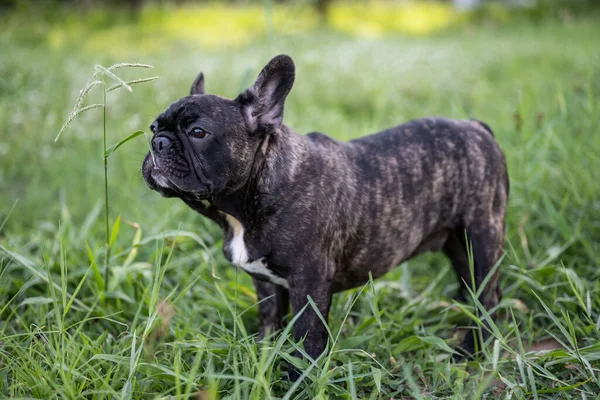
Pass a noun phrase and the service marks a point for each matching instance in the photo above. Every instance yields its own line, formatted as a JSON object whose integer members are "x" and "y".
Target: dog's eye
{"x": 199, "y": 133}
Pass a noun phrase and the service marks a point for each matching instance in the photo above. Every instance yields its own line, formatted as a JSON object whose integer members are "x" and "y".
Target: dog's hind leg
{"x": 274, "y": 306}
{"x": 455, "y": 249}
{"x": 486, "y": 237}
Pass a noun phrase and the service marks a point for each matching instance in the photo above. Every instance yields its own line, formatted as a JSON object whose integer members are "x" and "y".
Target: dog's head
{"x": 205, "y": 144}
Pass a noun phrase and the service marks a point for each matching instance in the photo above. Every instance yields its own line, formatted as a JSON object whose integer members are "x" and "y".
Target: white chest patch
{"x": 239, "y": 255}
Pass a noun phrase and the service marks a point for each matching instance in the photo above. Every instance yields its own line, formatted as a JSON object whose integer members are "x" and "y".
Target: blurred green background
{"x": 530, "y": 69}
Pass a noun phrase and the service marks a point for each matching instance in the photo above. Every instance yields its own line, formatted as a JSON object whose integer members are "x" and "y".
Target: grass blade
{"x": 114, "y": 147}
{"x": 128, "y": 65}
{"x": 113, "y": 76}
{"x": 72, "y": 117}
{"x": 115, "y": 232}
{"x": 77, "y": 289}
{"x": 129, "y": 83}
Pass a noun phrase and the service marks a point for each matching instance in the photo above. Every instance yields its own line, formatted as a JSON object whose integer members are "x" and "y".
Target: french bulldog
{"x": 309, "y": 216}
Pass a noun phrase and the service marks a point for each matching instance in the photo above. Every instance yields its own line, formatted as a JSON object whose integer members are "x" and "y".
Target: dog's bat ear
{"x": 262, "y": 104}
{"x": 198, "y": 85}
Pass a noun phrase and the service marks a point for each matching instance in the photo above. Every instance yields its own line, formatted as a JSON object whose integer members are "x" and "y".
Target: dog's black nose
{"x": 160, "y": 143}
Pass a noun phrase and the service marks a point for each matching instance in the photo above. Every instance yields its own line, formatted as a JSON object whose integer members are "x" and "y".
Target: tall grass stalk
{"x": 91, "y": 83}
{"x": 106, "y": 214}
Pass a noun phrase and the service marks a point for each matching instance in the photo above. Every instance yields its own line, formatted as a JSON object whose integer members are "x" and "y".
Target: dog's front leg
{"x": 274, "y": 305}
{"x": 309, "y": 325}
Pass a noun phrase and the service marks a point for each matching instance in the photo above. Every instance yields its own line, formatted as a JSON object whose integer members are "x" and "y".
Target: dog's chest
{"x": 239, "y": 255}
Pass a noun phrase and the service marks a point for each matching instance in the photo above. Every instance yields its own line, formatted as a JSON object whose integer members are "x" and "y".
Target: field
{"x": 176, "y": 320}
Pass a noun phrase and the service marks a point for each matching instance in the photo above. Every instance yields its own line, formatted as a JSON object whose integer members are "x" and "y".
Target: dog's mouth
{"x": 161, "y": 180}
{"x": 171, "y": 186}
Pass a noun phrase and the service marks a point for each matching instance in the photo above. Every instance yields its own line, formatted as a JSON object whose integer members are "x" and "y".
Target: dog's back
{"x": 416, "y": 184}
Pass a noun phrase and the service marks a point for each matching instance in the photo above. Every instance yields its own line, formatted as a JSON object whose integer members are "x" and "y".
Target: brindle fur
{"x": 325, "y": 214}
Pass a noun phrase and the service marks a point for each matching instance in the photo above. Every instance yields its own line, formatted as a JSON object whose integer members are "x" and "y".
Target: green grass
{"x": 178, "y": 320}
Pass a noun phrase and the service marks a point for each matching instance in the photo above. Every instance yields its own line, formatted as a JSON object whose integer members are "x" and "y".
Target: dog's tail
{"x": 483, "y": 125}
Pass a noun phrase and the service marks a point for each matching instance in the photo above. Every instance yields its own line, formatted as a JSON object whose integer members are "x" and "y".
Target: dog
{"x": 309, "y": 216}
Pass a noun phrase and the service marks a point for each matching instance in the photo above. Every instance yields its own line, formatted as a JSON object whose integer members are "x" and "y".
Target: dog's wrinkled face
{"x": 200, "y": 145}
{"x": 205, "y": 144}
